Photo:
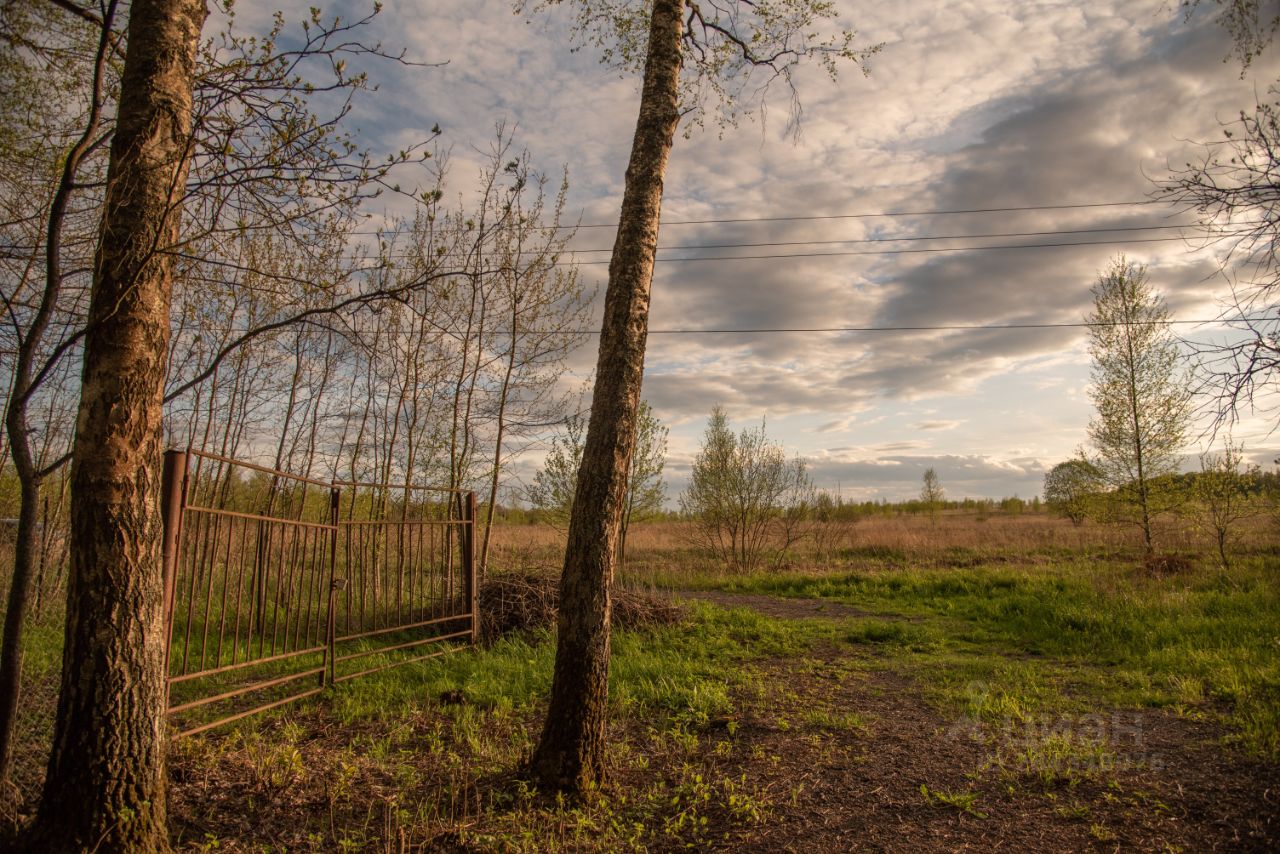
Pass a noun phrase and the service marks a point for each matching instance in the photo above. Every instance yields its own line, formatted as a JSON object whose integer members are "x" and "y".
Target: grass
{"x": 683, "y": 671}
{"x": 1043, "y": 642}
{"x": 438, "y": 734}
{"x": 1205, "y": 642}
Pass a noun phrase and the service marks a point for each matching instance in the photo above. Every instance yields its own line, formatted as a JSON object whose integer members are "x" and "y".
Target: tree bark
{"x": 105, "y": 787}
{"x": 570, "y": 752}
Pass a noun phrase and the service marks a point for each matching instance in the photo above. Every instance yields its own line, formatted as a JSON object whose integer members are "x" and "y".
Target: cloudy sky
{"x": 970, "y": 105}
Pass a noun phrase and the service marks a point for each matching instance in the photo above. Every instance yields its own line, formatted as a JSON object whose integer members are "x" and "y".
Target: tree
{"x": 646, "y": 489}
{"x": 1234, "y": 192}
{"x": 1252, "y": 24}
{"x": 1072, "y": 487}
{"x": 105, "y": 786}
{"x": 724, "y": 42}
{"x": 744, "y": 493}
{"x": 1233, "y": 188}
{"x": 931, "y": 491}
{"x": 1223, "y": 495}
{"x": 553, "y": 486}
{"x": 39, "y": 297}
{"x": 262, "y": 164}
{"x": 1140, "y": 394}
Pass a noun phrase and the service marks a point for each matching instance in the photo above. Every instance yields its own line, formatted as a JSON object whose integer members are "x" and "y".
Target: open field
{"x": 903, "y": 685}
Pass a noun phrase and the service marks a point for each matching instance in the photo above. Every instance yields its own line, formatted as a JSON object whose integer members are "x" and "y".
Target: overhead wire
{"x": 868, "y": 252}
{"x": 694, "y": 247}
{"x": 869, "y": 215}
{"x": 767, "y": 330}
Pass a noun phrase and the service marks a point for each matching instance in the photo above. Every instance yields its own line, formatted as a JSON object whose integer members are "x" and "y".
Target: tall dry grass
{"x": 657, "y": 549}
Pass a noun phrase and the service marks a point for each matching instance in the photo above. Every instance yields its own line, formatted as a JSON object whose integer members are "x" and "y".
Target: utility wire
{"x": 889, "y": 239}
{"x": 776, "y": 255}
{"x": 768, "y": 330}
{"x": 813, "y": 218}
{"x": 849, "y": 241}
{"x": 891, "y": 251}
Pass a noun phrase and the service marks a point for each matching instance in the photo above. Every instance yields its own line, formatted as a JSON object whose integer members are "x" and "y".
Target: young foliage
{"x": 733, "y": 52}
{"x": 1224, "y": 494}
{"x": 931, "y": 491}
{"x": 744, "y": 495}
{"x": 1071, "y": 489}
{"x": 554, "y": 485}
{"x": 1140, "y": 394}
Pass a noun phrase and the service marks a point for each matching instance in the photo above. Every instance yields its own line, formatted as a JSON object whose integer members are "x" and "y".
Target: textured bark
{"x": 105, "y": 786}
{"x": 570, "y": 753}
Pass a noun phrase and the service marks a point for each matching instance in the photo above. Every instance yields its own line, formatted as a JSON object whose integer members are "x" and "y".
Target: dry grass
{"x": 656, "y": 550}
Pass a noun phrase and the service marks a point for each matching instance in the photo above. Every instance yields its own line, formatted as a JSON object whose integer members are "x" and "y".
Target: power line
{"x": 777, "y": 255}
{"x": 846, "y": 241}
{"x": 768, "y": 330}
{"x": 891, "y": 251}
{"x": 891, "y": 214}
{"x": 953, "y": 327}
{"x": 816, "y": 217}
{"x": 886, "y": 239}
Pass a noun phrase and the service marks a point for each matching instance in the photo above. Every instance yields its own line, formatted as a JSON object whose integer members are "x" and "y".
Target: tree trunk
{"x": 24, "y": 561}
{"x": 105, "y": 787}
{"x": 570, "y": 753}
{"x": 25, "y": 383}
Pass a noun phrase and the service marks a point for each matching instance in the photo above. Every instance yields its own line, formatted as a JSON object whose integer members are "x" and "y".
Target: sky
{"x": 969, "y": 105}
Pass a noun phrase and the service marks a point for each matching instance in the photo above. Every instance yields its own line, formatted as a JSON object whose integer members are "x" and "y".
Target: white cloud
{"x": 970, "y": 105}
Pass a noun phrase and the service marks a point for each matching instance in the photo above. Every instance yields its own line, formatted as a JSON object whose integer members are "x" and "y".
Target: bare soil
{"x": 1169, "y": 784}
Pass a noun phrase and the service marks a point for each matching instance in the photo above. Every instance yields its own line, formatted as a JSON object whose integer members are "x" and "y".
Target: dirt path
{"x": 842, "y": 748}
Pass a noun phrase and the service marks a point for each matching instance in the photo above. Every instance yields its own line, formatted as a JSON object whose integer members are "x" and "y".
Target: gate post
{"x": 173, "y": 501}
{"x": 330, "y": 630}
{"x": 469, "y": 558}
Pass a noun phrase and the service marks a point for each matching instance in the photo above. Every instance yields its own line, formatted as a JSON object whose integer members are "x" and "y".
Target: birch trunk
{"x": 570, "y": 752}
{"x": 105, "y": 787}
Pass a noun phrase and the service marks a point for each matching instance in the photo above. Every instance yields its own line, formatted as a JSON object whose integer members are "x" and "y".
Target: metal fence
{"x": 277, "y": 586}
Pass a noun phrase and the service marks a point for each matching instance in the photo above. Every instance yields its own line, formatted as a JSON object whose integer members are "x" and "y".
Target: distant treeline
{"x": 830, "y": 508}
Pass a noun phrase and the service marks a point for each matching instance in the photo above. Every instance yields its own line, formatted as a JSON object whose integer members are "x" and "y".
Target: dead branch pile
{"x": 516, "y": 602}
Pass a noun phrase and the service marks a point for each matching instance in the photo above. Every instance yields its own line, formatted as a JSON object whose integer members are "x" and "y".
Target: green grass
{"x": 683, "y": 670}
{"x": 1038, "y": 636}
{"x": 672, "y": 694}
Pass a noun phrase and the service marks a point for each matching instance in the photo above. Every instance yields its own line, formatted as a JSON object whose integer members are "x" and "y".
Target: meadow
{"x": 901, "y": 682}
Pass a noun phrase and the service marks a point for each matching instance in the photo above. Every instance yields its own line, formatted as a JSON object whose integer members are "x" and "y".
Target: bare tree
{"x": 1233, "y": 189}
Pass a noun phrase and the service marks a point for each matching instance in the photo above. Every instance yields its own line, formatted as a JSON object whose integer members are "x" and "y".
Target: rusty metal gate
{"x": 277, "y": 586}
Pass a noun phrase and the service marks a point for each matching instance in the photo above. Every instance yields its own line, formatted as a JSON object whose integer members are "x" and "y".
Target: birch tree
{"x": 105, "y": 786}
{"x": 1140, "y": 393}
{"x": 695, "y": 49}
